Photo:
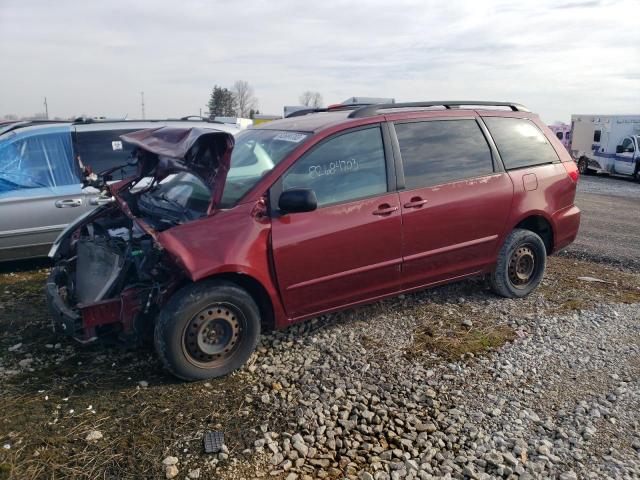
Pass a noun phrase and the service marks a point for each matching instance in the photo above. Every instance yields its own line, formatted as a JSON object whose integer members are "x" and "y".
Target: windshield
{"x": 37, "y": 160}
{"x": 256, "y": 153}
{"x": 177, "y": 199}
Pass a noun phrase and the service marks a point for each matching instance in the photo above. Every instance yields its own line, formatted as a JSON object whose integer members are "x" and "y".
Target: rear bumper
{"x": 567, "y": 225}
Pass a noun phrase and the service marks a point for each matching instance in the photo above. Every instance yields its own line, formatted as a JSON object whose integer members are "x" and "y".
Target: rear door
{"x": 40, "y": 191}
{"x": 349, "y": 249}
{"x": 456, "y": 199}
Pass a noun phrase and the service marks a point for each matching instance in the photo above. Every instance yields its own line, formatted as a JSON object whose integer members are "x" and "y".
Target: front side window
{"x": 37, "y": 160}
{"x": 520, "y": 142}
{"x": 256, "y": 153}
{"x": 627, "y": 145}
{"x": 344, "y": 168}
{"x": 596, "y": 135}
{"x": 442, "y": 151}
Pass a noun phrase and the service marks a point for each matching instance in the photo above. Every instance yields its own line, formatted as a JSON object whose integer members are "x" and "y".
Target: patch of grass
{"x": 562, "y": 288}
{"x": 441, "y": 331}
{"x": 5, "y": 471}
{"x": 45, "y": 414}
{"x": 443, "y": 334}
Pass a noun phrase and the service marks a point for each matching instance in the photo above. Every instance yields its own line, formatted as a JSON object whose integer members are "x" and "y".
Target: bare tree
{"x": 311, "y": 99}
{"x": 244, "y": 97}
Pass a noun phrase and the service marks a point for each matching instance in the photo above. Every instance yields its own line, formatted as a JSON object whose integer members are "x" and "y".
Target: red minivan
{"x": 314, "y": 213}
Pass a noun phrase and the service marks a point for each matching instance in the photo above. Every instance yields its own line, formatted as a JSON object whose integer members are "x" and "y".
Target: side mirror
{"x": 297, "y": 200}
{"x": 619, "y": 149}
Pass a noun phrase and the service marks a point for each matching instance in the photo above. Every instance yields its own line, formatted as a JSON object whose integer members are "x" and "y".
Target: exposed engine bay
{"x": 111, "y": 272}
{"x": 117, "y": 270}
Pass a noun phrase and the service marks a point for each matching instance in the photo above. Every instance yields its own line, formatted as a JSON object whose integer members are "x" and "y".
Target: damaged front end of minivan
{"x": 112, "y": 273}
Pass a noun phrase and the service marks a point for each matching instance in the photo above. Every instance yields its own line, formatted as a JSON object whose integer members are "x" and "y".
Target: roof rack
{"x": 369, "y": 110}
{"x": 191, "y": 118}
{"x": 15, "y": 125}
{"x": 331, "y": 108}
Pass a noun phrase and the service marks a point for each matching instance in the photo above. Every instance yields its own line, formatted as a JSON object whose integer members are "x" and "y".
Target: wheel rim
{"x": 522, "y": 266}
{"x": 213, "y": 335}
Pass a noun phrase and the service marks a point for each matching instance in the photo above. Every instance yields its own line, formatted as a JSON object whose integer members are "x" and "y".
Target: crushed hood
{"x": 166, "y": 150}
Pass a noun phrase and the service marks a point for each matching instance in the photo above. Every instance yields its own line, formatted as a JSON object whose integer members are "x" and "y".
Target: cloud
{"x": 95, "y": 57}
{"x": 594, "y": 3}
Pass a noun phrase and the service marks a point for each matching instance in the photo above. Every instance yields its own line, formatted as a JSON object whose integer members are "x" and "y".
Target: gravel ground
{"x": 453, "y": 382}
{"x": 537, "y": 409}
{"x": 421, "y": 386}
{"x": 560, "y": 402}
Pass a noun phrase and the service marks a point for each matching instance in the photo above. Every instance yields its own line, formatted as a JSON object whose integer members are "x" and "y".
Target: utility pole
{"x": 142, "y": 99}
{"x": 46, "y": 109}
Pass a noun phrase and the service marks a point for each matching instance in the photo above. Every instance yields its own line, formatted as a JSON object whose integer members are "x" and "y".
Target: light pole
{"x": 46, "y": 109}
{"x": 142, "y": 103}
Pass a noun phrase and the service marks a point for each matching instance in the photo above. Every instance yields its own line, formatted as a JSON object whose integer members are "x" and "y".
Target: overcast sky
{"x": 557, "y": 57}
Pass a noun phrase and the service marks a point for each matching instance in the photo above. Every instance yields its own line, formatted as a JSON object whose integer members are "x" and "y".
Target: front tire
{"x": 207, "y": 330}
{"x": 520, "y": 266}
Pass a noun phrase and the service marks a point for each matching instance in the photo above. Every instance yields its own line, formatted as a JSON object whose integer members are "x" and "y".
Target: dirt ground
{"x": 54, "y": 391}
{"x": 610, "y": 223}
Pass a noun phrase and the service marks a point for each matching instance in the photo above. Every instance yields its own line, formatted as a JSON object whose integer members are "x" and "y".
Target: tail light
{"x": 572, "y": 170}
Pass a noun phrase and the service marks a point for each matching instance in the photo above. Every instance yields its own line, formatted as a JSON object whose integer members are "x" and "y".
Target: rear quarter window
{"x": 520, "y": 142}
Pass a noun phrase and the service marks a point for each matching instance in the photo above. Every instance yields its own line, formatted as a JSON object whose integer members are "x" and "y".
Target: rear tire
{"x": 636, "y": 174}
{"x": 207, "y": 330}
{"x": 520, "y": 266}
{"x": 583, "y": 167}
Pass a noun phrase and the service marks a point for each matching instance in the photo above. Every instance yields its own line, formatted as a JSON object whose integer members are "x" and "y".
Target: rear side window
{"x": 559, "y": 135}
{"x": 442, "y": 151}
{"x": 102, "y": 150}
{"x": 344, "y": 168}
{"x": 520, "y": 142}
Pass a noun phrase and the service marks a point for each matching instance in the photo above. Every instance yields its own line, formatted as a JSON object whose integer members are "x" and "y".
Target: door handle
{"x": 385, "y": 209}
{"x": 100, "y": 200}
{"x": 69, "y": 203}
{"x": 415, "y": 202}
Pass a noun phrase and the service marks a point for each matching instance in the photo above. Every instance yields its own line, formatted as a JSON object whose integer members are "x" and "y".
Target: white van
{"x": 606, "y": 144}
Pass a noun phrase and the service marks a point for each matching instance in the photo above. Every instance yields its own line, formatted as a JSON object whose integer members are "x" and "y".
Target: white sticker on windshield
{"x": 116, "y": 145}
{"x": 290, "y": 137}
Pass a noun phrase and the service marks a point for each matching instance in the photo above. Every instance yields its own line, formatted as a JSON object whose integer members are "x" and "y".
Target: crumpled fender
{"x": 223, "y": 243}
